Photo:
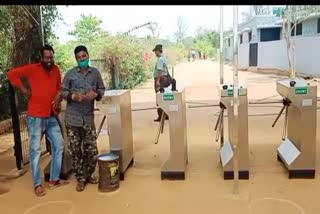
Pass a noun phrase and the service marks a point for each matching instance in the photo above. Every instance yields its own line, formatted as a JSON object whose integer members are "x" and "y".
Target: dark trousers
{"x": 164, "y": 82}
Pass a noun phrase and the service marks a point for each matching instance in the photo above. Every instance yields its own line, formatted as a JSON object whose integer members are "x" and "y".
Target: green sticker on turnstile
{"x": 230, "y": 92}
{"x": 168, "y": 97}
{"x": 302, "y": 90}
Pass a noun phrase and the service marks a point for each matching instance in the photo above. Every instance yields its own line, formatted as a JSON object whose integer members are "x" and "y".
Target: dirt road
{"x": 203, "y": 191}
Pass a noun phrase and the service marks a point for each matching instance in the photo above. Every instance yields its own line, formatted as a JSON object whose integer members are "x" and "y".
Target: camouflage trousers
{"x": 83, "y": 150}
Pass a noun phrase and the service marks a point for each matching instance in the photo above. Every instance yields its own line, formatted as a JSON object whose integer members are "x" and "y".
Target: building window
{"x": 299, "y": 29}
{"x": 240, "y": 38}
{"x": 318, "y": 30}
{"x": 229, "y": 43}
{"x": 269, "y": 34}
{"x": 250, "y": 36}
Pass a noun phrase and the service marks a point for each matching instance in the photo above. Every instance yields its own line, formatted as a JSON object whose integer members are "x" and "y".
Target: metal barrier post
{"x": 16, "y": 127}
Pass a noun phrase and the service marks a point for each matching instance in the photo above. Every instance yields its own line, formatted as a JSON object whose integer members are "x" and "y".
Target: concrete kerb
{"x": 274, "y": 71}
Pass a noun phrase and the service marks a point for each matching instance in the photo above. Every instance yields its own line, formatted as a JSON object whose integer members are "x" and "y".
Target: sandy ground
{"x": 203, "y": 191}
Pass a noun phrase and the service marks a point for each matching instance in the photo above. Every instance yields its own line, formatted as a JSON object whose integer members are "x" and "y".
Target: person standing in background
{"x": 161, "y": 75}
{"x": 193, "y": 53}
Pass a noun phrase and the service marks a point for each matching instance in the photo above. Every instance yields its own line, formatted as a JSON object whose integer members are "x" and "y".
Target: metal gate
{"x": 25, "y": 139}
{"x": 253, "y": 54}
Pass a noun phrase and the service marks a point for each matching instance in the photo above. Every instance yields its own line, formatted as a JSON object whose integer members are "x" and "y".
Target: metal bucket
{"x": 109, "y": 172}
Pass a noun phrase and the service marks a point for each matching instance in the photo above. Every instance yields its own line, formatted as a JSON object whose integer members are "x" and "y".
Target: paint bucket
{"x": 109, "y": 172}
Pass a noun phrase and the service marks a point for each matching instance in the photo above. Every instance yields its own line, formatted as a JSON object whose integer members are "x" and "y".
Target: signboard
{"x": 288, "y": 151}
{"x": 302, "y": 90}
{"x": 226, "y": 153}
{"x": 230, "y": 92}
{"x": 167, "y": 97}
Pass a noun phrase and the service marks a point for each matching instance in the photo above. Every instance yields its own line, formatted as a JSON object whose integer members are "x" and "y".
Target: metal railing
{"x": 25, "y": 139}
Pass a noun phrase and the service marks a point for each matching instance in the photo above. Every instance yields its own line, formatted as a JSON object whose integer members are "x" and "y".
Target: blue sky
{"x": 122, "y": 18}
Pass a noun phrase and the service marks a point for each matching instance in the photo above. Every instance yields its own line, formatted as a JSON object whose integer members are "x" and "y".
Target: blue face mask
{"x": 83, "y": 63}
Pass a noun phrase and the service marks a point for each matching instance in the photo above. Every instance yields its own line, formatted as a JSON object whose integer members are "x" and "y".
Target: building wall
{"x": 228, "y": 54}
{"x": 245, "y": 37}
{"x": 310, "y": 27}
{"x": 307, "y": 55}
{"x": 274, "y": 55}
{"x": 243, "y": 55}
{"x": 228, "y": 51}
{"x": 252, "y": 24}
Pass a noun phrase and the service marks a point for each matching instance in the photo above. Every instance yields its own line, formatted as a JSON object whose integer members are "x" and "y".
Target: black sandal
{"x": 80, "y": 186}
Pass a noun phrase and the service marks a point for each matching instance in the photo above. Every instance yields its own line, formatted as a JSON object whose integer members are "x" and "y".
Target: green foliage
{"x": 50, "y": 15}
{"x": 86, "y": 28}
{"x": 5, "y": 43}
{"x": 175, "y": 54}
{"x": 188, "y": 42}
{"x": 206, "y": 41}
{"x": 124, "y": 56}
{"x": 63, "y": 55}
{"x": 21, "y": 23}
{"x": 4, "y": 21}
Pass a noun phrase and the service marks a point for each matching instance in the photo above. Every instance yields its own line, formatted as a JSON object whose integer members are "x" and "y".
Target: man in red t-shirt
{"x": 44, "y": 102}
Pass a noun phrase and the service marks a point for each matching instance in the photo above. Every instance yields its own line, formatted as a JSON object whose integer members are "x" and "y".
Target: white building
{"x": 261, "y": 45}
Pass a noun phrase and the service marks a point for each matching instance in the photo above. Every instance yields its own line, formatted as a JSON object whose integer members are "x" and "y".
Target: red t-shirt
{"x": 44, "y": 86}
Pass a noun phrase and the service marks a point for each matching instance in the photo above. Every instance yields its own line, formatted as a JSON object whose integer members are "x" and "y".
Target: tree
{"x": 24, "y": 31}
{"x": 155, "y": 30}
{"x": 206, "y": 41}
{"x": 293, "y": 15}
{"x": 64, "y": 56}
{"x": 182, "y": 29}
{"x": 50, "y": 15}
{"x": 5, "y": 45}
{"x": 86, "y": 28}
{"x": 188, "y": 41}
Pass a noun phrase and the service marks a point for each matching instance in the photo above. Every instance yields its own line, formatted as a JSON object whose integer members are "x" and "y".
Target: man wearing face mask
{"x": 81, "y": 86}
{"x": 44, "y": 101}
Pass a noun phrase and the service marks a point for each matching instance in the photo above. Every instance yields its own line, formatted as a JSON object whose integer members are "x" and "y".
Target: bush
{"x": 125, "y": 57}
{"x": 64, "y": 56}
{"x": 175, "y": 54}
{"x": 124, "y": 61}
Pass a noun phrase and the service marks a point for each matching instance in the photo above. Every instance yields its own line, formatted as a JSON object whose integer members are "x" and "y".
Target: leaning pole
{"x": 235, "y": 99}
